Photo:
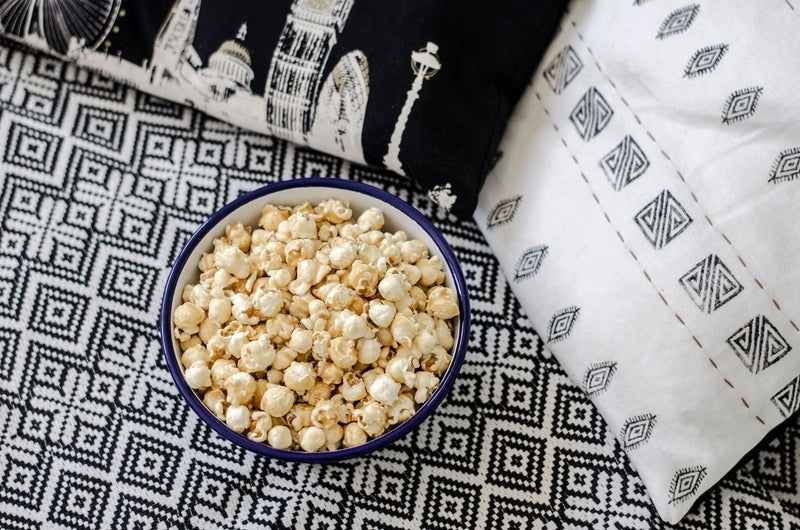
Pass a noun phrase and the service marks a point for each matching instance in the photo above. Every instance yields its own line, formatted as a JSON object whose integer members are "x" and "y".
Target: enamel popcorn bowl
{"x": 398, "y": 215}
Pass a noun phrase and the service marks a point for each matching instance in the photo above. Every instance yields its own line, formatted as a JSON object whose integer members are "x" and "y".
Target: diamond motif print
{"x": 562, "y": 69}
{"x": 126, "y": 281}
{"x": 561, "y": 324}
{"x": 741, "y": 104}
{"x": 503, "y": 212}
{"x": 636, "y": 431}
{"x": 59, "y": 312}
{"x": 678, "y": 21}
{"x": 597, "y": 377}
{"x": 451, "y": 503}
{"x": 515, "y": 459}
{"x": 150, "y": 464}
{"x": 787, "y": 399}
{"x": 663, "y": 219}
{"x": 528, "y": 265}
{"x": 32, "y": 149}
{"x": 705, "y": 60}
{"x": 758, "y": 344}
{"x": 787, "y": 166}
{"x": 710, "y": 284}
{"x": 685, "y": 483}
{"x": 79, "y": 501}
{"x": 625, "y": 163}
{"x": 100, "y": 126}
{"x": 591, "y": 115}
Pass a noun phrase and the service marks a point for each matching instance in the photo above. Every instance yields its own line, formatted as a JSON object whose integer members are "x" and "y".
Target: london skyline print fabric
{"x": 418, "y": 88}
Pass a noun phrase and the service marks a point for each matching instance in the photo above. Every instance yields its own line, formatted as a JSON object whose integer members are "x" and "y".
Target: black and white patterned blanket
{"x": 100, "y": 186}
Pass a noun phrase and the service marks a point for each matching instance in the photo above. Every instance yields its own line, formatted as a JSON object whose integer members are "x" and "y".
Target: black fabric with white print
{"x": 419, "y": 87}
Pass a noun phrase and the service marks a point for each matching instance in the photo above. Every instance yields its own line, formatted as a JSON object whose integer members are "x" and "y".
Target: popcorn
{"x": 237, "y": 417}
{"x": 316, "y": 329}
{"x": 299, "y": 377}
{"x": 311, "y": 439}
{"x": 277, "y": 400}
{"x": 198, "y": 375}
{"x": 240, "y": 388}
{"x": 353, "y": 435}
{"x": 384, "y": 389}
{"x": 187, "y": 317}
{"x": 280, "y": 437}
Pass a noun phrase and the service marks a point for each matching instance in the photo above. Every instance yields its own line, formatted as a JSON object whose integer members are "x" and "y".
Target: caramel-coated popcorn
{"x": 316, "y": 330}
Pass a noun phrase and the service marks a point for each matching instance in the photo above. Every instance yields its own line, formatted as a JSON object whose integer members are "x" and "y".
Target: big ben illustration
{"x": 295, "y": 73}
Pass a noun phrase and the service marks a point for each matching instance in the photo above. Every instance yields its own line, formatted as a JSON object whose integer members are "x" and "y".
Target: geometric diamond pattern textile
{"x": 100, "y": 186}
{"x": 663, "y": 179}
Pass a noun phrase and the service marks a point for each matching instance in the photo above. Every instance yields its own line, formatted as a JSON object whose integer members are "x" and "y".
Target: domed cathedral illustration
{"x": 229, "y": 69}
{"x": 226, "y": 79}
{"x": 295, "y": 73}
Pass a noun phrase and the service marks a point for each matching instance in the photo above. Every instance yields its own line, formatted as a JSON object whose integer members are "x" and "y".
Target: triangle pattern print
{"x": 637, "y": 431}
{"x": 685, "y": 483}
{"x": 787, "y": 166}
{"x": 741, "y": 104}
{"x": 625, "y": 163}
{"x": 662, "y": 219}
{"x": 591, "y": 115}
{"x": 758, "y": 344}
{"x": 705, "y": 60}
{"x": 710, "y": 284}
{"x": 787, "y": 399}
{"x": 563, "y": 69}
{"x": 678, "y": 21}
{"x": 503, "y": 212}
{"x": 597, "y": 377}
{"x": 561, "y": 324}
{"x": 530, "y": 262}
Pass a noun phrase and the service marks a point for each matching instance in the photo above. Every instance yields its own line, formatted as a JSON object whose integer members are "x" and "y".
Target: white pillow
{"x": 644, "y": 209}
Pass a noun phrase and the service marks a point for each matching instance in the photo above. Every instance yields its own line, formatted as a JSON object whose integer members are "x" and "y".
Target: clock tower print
{"x": 295, "y": 73}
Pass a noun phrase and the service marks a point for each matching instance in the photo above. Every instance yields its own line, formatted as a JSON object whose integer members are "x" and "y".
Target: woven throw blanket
{"x": 100, "y": 186}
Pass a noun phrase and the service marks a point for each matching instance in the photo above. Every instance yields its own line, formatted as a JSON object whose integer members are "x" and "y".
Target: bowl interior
{"x": 247, "y": 209}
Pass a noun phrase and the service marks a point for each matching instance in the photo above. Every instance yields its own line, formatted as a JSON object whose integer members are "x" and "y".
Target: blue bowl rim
{"x": 459, "y": 348}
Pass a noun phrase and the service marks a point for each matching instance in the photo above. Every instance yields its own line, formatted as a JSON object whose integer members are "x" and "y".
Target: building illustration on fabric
{"x": 305, "y": 100}
{"x": 176, "y": 64}
{"x": 295, "y": 73}
{"x": 60, "y": 25}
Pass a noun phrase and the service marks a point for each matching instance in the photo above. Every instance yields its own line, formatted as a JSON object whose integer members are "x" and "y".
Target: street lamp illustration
{"x": 425, "y": 64}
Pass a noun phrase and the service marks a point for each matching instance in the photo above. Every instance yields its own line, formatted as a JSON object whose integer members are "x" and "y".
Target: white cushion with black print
{"x": 644, "y": 209}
